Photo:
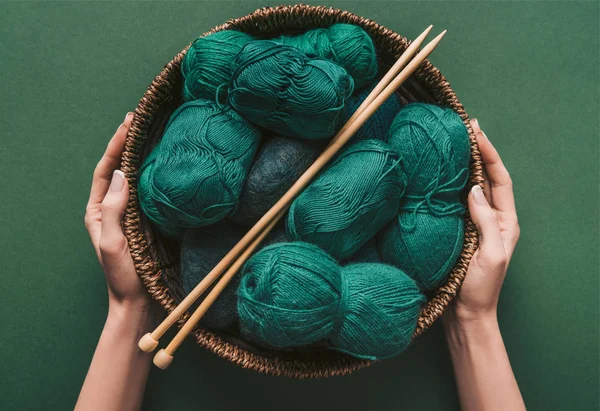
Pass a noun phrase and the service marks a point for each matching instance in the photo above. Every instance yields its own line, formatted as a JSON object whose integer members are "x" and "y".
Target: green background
{"x": 70, "y": 71}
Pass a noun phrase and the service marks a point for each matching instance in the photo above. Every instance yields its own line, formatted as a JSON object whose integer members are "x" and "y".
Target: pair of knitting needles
{"x": 238, "y": 255}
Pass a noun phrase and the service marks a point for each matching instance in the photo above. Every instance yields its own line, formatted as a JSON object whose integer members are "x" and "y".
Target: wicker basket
{"x": 156, "y": 258}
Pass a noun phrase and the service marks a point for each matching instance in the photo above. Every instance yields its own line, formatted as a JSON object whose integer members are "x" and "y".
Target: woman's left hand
{"x": 103, "y": 217}
{"x": 119, "y": 370}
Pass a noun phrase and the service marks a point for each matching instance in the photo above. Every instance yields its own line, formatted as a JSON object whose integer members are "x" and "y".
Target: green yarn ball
{"x": 201, "y": 250}
{"x": 382, "y": 308}
{"x": 350, "y": 201}
{"x": 289, "y": 295}
{"x": 295, "y": 294}
{"x": 207, "y": 63}
{"x": 368, "y": 253}
{"x": 153, "y": 210}
{"x": 281, "y": 89}
{"x": 426, "y": 246}
{"x": 275, "y": 236}
{"x": 194, "y": 176}
{"x": 346, "y": 44}
{"x": 434, "y": 143}
{"x": 279, "y": 162}
{"x": 426, "y": 238}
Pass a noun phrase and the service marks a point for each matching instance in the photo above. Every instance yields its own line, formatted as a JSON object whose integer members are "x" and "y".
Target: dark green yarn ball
{"x": 378, "y": 125}
{"x": 279, "y": 162}
{"x": 276, "y": 236}
{"x": 427, "y": 236}
{"x": 207, "y": 63}
{"x": 201, "y": 250}
{"x": 346, "y": 44}
{"x": 194, "y": 176}
{"x": 368, "y": 253}
{"x": 295, "y": 294}
{"x": 350, "y": 201}
{"x": 281, "y": 89}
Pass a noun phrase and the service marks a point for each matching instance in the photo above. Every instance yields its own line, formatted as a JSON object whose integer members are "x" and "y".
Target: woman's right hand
{"x": 484, "y": 376}
{"x": 495, "y": 216}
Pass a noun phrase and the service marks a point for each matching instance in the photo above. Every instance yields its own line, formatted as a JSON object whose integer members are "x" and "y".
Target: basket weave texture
{"x": 156, "y": 260}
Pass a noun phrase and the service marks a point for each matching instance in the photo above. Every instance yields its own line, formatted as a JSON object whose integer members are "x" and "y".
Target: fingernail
{"x": 474, "y": 120}
{"x": 478, "y": 195}
{"x": 129, "y": 113}
{"x": 118, "y": 178}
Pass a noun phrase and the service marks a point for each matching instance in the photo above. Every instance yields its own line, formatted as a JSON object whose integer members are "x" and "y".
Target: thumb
{"x": 491, "y": 247}
{"x": 112, "y": 240}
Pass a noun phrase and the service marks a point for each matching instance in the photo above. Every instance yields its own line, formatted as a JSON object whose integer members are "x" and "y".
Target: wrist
{"x": 133, "y": 317}
{"x": 459, "y": 314}
{"x": 460, "y": 330}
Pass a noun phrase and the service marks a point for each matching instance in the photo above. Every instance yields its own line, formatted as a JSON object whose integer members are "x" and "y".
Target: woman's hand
{"x": 104, "y": 213}
{"x": 484, "y": 377}
{"x": 495, "y": 216}
{"x": 119, "y": 370}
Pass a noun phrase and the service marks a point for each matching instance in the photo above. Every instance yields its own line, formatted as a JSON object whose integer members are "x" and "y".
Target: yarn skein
{"x": 426, "y": 238}
{"x": 281, "y": 89}
{"x": 295, "y": 294}
{"x": 207, "y": 63}
{"x": 346, "y": 44}
{"x": 377, "y": 126}
{"x": 201, "y": 250}
{"x": 194, "y": 176}
{"x": 280, "y": 161}
{"x": 350, "y": 201}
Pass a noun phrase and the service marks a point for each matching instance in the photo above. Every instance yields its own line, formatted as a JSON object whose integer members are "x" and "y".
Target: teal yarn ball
{"x": 350, "y": 201}
{"x": 426, "y": 238}
{"x": 425, "y": 246}
{"x": 201, "y": 250}
{"x": 153, "y": 210}
{"x": 377, "y": 126}
{"x": 279, "y": 162}
{"x": 281, "y": 89}
{"x": 295, "y": 294}
{"x": 435, "y": 147}
{"x": 346, "y": 44}
{"x": 207, "y": 63}
{"x": 382, "y": 308}
{"x": 289, "y": 295}
{"x": 194, "y": 176}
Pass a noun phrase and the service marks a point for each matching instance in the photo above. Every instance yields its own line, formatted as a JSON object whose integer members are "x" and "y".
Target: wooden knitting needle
{"x": 164, "y": 357}
{"x": 149, "y": 341}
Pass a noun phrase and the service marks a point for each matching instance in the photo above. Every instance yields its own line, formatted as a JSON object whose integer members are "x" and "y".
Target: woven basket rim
{"x": 269, "y": 20}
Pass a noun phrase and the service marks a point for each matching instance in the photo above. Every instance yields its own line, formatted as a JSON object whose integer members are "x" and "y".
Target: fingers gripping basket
{"x": 156, "y": 258}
